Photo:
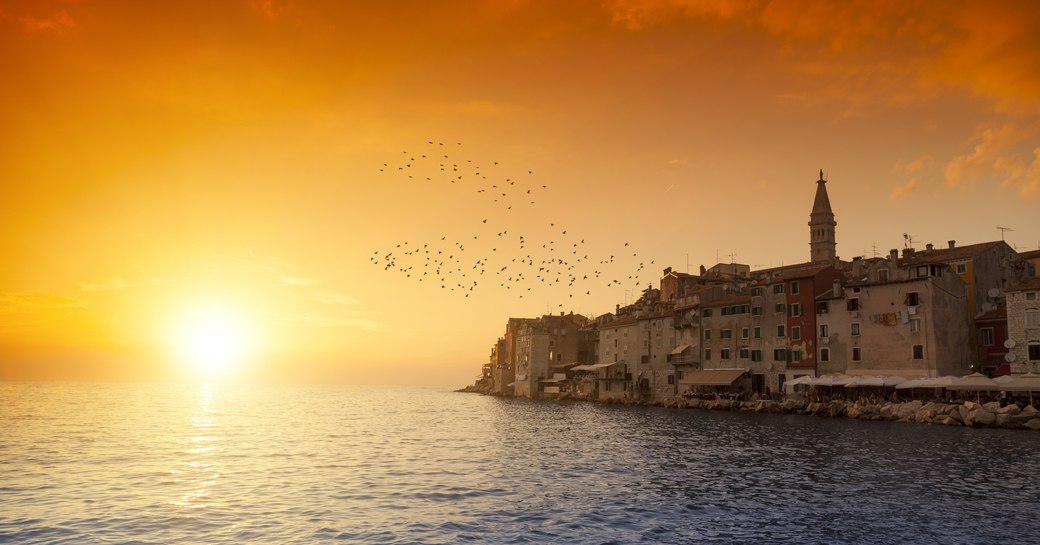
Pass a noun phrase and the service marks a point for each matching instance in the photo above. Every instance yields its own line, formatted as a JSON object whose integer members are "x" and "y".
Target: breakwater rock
{"x": 969, "y": 413}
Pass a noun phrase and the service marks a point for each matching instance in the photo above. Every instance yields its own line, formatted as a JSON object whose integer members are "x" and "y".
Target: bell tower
{"x": 822, "y": 244}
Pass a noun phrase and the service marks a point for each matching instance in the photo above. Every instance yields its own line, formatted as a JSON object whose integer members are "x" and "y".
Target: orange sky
{"x": 161, "y": 156}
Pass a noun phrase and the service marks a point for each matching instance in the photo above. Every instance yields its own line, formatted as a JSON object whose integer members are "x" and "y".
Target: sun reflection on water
{"x": 199, "y": 473}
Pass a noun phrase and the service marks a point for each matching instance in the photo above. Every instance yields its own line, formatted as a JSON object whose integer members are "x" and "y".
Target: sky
{"x": 262, "y": 184}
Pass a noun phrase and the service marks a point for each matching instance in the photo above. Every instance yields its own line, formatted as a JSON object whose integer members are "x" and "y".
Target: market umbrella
{"x": 1028, "y": 382}
{"x": 879, "y": 380}
{"x": 974, "y": 382}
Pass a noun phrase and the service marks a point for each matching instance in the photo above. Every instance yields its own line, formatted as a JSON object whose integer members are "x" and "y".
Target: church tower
{"x": 822, "y": 244}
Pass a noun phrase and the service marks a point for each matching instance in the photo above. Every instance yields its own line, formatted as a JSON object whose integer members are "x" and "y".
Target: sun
{"x": 211, "y": 340}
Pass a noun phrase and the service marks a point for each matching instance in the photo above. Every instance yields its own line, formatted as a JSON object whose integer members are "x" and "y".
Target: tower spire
{"x": 822, "y": 241}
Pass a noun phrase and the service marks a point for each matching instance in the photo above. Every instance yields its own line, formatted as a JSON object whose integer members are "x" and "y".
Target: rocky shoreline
{"x": 969, "y": 413}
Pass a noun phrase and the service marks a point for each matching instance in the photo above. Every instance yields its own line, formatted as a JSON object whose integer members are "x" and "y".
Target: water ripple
{"x": 167, "y": 464}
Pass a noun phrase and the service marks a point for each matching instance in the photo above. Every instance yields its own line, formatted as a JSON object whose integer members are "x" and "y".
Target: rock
{"x": 908, "y": 410}
{"x": 971, "y": 405}
{"x": 1010, "y": 410}
{"x": 1029, "y": 410}
{"x": 854, "y": 411}
{"x": 1002, "y": 420}
{"x": 1033, "y": 424}
{"x": 887, "y": 409}
{"x": 1022, "y": 418}
{"x": 992, "y": 407}
{"x": 963, "y": 411}
{"x": 950, "y": 421}
{"x": 984, "y": 417}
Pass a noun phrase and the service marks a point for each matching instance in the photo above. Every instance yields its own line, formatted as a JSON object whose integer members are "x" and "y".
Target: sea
{"x": 107, "y": 463}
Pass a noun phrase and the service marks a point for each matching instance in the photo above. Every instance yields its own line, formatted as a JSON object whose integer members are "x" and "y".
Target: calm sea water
{"x": 163, "y": 464}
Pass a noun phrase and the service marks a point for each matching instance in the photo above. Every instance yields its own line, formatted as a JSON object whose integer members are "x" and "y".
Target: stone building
{"x": 653, "y": 374}
{"x": 545, "y": 345}
{"x": 1023, "y": 320}
{"x": 888, "y": 318}
{"x": 987, "y": 269}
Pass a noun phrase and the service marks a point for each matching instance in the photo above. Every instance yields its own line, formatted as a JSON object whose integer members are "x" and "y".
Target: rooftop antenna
{"x": 732, "y": 258}
{"x": 873, "y": 246}
{"x": 687, "y": 262}
{"x": 1003, "y": 230}
{"x": 908, "y": 240}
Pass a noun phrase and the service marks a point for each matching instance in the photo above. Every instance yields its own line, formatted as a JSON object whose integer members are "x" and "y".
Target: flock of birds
{"x": 553, "y": 260}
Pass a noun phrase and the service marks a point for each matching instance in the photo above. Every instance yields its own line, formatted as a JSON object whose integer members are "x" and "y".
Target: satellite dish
{"x": 1009, "y": 357}
{"x": 1010, "y": 343}
{"x": 993, "y": 292}
{"x": 986, "y": 307}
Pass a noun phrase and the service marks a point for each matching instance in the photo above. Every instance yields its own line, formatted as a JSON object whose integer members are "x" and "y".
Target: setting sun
{"x": 211, "y": 340}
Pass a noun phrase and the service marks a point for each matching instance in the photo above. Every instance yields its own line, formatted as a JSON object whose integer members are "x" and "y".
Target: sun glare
{"x": 211, "y": 340}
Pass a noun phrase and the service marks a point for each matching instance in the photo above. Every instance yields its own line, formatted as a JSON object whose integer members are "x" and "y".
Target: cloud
{"x": 19, "y": 309}
{"x": 297, "y": 280}
{"x": 1004, "y": 155}
{"x": 113, "y": 284}
{"x": 326, "y": 320}
{"x": 57, "y": 22}
{"x": 330, "y": 298}
{"x": 905, "y": 189}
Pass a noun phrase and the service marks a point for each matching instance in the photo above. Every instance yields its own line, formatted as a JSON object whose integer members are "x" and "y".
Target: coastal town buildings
{"x": 1023, "y": 323}
{"x": 938, "y": 311}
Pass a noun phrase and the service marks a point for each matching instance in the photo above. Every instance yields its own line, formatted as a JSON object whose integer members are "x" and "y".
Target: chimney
{"x": 836, "y": 287}
{"x": 562, "y": 314}
{"x": 702, "y": 270}
{"x": 908, "y": 253}
{"x": 893, "y": 255}
{"x": 857, "y": 266}
{"x": 952, "y": 243}
{"x": 617, "y": 309}
{"x": 667, "y": 270}
{"x": 928, "y": 247}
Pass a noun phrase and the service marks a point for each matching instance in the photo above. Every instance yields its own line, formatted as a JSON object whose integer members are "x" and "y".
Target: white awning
{"x": 521, "y": 377}
{"x": 679, "y": 349}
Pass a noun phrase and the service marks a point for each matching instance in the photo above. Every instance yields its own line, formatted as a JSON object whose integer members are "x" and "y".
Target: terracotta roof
{"x": 620, "y": 322}
{"x": 946, "y": 255}
{"x": 998, "y": 314}
{"x": 1032, "y": 254}
{"x": 790, "y": 272}
{"x": 1028, "y": 284}
{"x": 731, "y": 300}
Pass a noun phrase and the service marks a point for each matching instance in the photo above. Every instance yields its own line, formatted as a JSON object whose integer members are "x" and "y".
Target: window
{"x": 779, "y": 354}
{"x": 644, "y": 359}
{"x": 1030, "y": 296}
{"x": 852, "y": 304}
{"x": 756, "y": 311}
{"x": 707, "y": 354}
{"x": 794, "y": 286}
{"x": 671, "y": 379}
{"x": 986, "y": 336}
{"x": 912, "y": 299}
{"x": 822, "y": 307}
{"x": 726, "y": 334}
{"x": 915, "y": 324}
{"x": 1033, "y": 352}
{"x": 796, "y": 355}
{"x": 781, "y": 308}
{"x": 756, "y": 355}
{"x": 1033, "y": 317}
{"x": 855, "y": 329}
{"x": 796, "y": 333}
{"x": 707, "y": 313}
{"x": 744, "y": 353}
{"x": 918, "y": 352}
{"x": 824, "y": 330}
{"x": 758, "y": 332}
{"x": 796, "y": 309}
{"x": 922, "y": 271}
{"x": 780, "y": 330}
{"x": 962, "y": 268}
{"x": 857, "y": 354}
{"x": 724, "y": 353}
{"x": 825, "y": 354}
{"x": 778, "y": 288}
{"x": 882, "y": 275}
{"x": 744, "y": 332}
{"x": 756, "y": 292}
{"x": 707, "y": 334}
